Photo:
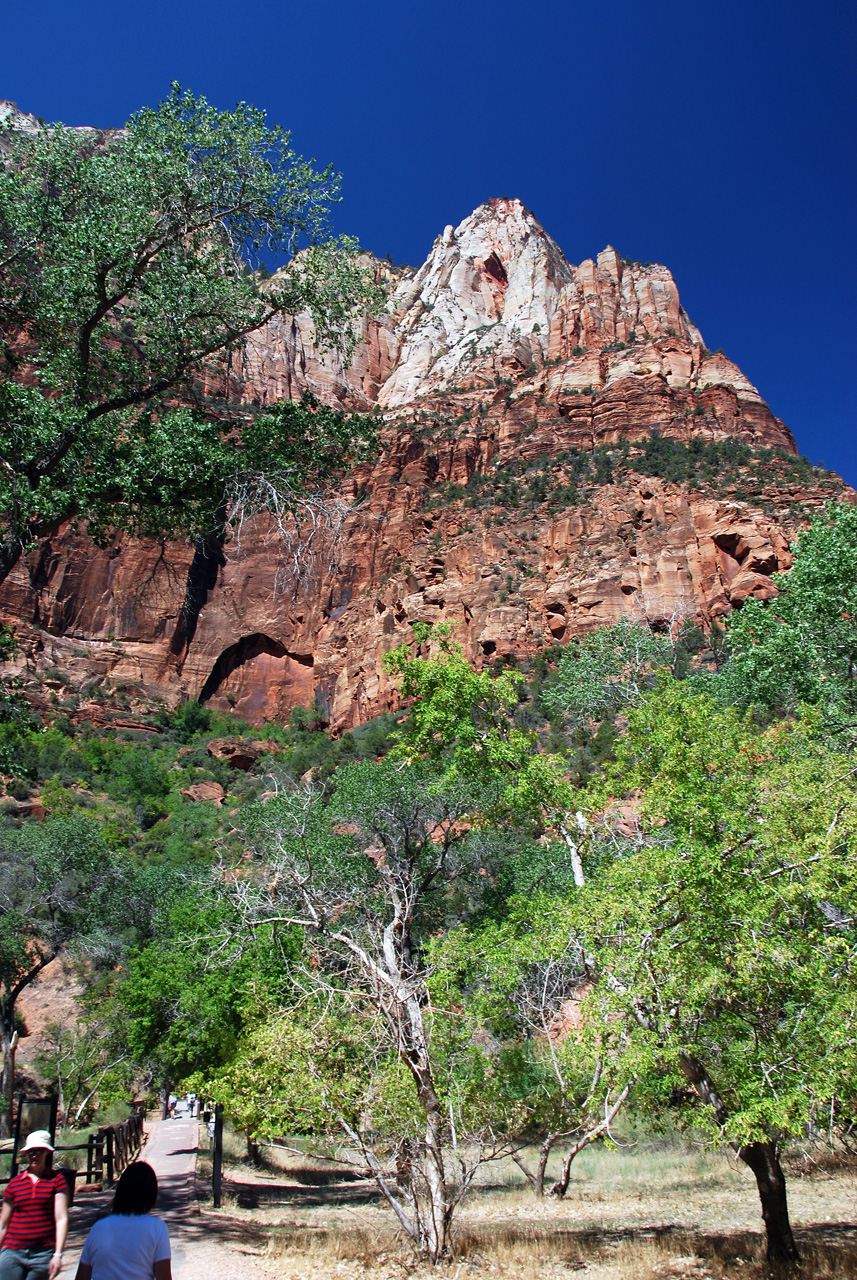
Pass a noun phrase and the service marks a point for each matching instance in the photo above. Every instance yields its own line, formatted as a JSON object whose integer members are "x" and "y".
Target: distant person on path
{"x": 172, "y": 1105}
{"x": 34, "y": 1217}
{"x": 129, "y": 1244}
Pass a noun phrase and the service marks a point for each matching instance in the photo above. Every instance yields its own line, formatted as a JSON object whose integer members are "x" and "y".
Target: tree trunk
{"x": 560, "y": 1187}
{"x": 536, "y": 1177}
{"x": 541, "y": 1167}
{"x": 435, "y": 1215}
{"x": 436, "y": 1218}
{"x": 763, "y": 1159}
{"x": 7, "y": 1075}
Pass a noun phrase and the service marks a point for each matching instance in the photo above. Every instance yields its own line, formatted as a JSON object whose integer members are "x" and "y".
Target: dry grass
{"x": 656, "y": 1212}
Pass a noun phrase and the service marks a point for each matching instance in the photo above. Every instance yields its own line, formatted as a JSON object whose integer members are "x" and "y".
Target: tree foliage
{"x": 801, "y": 647}
{"x": 185, "y": 1012}
{"x": 123, "y": 286}
{"x": 57, "y": 887}
{"x": 608, "y": 670}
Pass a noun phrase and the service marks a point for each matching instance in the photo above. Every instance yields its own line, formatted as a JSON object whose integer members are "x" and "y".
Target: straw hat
{"x": 39, "y": 1139}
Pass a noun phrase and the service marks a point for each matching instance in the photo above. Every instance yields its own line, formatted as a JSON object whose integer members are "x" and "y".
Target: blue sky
{"x": 718, "y": 138}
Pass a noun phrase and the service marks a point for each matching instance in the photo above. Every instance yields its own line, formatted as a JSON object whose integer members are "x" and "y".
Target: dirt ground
{"x": 648, "y": 1213}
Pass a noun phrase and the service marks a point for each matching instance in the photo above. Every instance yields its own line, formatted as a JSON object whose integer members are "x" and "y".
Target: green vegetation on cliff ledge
{"x": 570, "y": 477}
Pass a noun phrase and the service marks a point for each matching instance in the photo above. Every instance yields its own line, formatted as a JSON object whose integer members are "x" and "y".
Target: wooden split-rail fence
{"x": 108, "y": 1151}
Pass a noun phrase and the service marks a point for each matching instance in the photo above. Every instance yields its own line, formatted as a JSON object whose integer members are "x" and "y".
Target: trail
{"x": 204, "y": 1246}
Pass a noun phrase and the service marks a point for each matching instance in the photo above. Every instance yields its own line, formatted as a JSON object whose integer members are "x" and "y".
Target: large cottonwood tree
{"x": 124, "y": 281}
{"x": 721, "y": 941}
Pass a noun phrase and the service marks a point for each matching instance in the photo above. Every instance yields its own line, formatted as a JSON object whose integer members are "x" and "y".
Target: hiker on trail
{"x": 129, "y": 1244}
{"x": 34, "y": 1217}
{"x": 172, "y": 1106}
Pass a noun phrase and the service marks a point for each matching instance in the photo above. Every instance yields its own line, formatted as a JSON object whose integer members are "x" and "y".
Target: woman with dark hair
{"x": 130, "y": 1244}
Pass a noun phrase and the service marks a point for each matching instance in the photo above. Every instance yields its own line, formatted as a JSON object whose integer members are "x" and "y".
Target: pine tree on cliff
{"x": 124, "y": 286}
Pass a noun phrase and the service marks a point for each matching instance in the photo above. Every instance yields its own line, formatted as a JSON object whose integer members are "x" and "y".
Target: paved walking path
{"x": 171, "y": 1151}
{"x": 204, "y": 1247}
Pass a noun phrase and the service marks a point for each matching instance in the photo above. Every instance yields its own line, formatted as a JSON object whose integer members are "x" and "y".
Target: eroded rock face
{"x": 518, "y": 391}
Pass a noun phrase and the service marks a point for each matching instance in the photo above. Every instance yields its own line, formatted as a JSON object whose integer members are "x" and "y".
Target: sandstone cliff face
{"x": 513, "y": 498}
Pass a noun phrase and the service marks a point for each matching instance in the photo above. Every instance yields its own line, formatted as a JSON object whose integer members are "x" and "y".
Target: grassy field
{"x": 657, "y": 1211}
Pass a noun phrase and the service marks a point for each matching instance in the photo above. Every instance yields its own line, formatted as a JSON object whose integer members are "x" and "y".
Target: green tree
{"x": 123, "y": 287}
{"x": 607, "y": 671}
{"x": 801, "y": 646}
{"x": 368, "y": 876}
{"x": 301, "y": 1070}
{"x": 79, "y": 1062}
{"x": 720, "y": 941}
{"x": 568, "y": 1083}
{"x": 57, "y": 886}
{"x": 462, "y": 722}
{"x": 184, "y": 1012}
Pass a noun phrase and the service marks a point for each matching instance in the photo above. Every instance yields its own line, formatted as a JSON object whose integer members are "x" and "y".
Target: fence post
{"x": 90, "y": 1154}
{"x": 217, "y": 1162}
{"x": 16, "y": 1134}
{"x": 99, "y": 1154}
{"x": 110, "y": 1157}
{"x": 52, "y": 1126}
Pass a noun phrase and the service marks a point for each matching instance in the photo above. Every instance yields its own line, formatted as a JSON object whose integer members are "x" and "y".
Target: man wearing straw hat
{"x": 34, "y": 1217}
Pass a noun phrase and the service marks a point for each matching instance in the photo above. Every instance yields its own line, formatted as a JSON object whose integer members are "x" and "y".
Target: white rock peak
{"x": 497, "y": 296}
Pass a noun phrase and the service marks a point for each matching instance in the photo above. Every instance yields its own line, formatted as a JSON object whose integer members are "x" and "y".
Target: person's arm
{"x": 61, "y": 1220}
{"x": 162, "y": 1271}
{"x": 5, "y": 1216}
{"x": 84, "y": 1269}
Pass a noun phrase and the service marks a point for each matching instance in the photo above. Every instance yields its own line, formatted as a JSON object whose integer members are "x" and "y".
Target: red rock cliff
{"x": 520, "y": 394}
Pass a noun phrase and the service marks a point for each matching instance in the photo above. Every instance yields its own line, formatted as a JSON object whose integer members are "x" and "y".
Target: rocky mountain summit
{"x": 14, "y": 121}
{"x": 560, "y": 448}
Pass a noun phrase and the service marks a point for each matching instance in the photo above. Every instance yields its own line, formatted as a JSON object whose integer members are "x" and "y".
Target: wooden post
{"x": 110, "y": 1157}
{"x": 90, "y": 1157}
{"x": 99, "y": 1154}
{"x": 13, "y": 1046}
{"x": 17, "y": 1134}
{"x": 217, "y": 1162}
{"x": 52, "y": 1125}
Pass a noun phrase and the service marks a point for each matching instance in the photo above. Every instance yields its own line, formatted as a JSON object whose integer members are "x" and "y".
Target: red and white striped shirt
{"x": 32, "y": 1224}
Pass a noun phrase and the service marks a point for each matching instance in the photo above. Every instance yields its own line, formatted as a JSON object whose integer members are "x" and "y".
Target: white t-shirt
{"x": 126, "y": 1246}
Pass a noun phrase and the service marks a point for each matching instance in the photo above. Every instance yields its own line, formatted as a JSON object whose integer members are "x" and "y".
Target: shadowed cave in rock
{"x": 245, "y": 650}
